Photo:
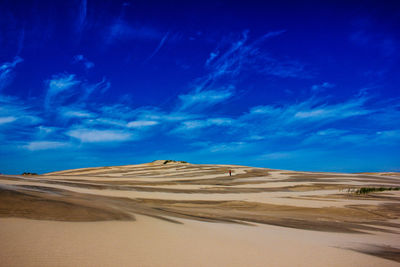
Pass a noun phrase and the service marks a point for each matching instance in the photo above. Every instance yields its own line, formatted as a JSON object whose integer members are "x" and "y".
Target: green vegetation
{"x": 168, "y": 161}
{"x": 366, "y": 190}
{"x": 29, "y": 173}
{"x": 174, "y": 161}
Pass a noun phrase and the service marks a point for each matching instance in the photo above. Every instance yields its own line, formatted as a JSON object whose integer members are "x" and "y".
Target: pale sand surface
{"x": 179, "y": 214}
{"x": 151, "y": 242}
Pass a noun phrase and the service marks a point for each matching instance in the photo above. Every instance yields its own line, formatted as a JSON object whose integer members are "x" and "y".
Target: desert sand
{"x": 181, "y": 214}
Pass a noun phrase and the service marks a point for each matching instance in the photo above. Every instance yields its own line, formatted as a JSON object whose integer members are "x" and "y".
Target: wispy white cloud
{"x": 17, "y": 112}
{"x": 101, "y": 86}
{"x": 211, "y": 58}
{"x": 276, "y": 155}
{"x": 105, "y": 122}
{"x": 322, "y": 86}
{"x": 204, "y": 98}
{"x": 179, "y": 116}
{"x": 187, "y": 127}
{"x": 328, "y": 135}
{"x": 339, "y": 137}
{"x": 45, "y": 145}
{"x": 8, "y": 119}
{"x": 385, "y": 137}
{"x": 207, "y": 147}
{"x": 141, "y": 124}
{"x": 87, "y": 135}
{"x": 220, "y": 121}
{"x": 350, "y": 108}
{"x": 162, "y": 42}
{"x": 228, "y": 147}
{"x": 231, "y": 59}
{"x": 44, "y": 131}
{"x": 69, "y": 112}
{"x": 121, "y": 30}
{"x": 190, "y": 125}
{"x": 228, "y": 61}
{"x": 302, "y": 118}
{"x": 284, "y": 68}
{"x": 242, "y": 55}
{"x": 7, "y": 72}
{"x": 58, "y": 84}
{"x": 292, "y": 154}
{"x": 82, "y": 59}
{"x": 267, "y": 110}
{"x": 332, "y": 132}
{"x": 156, "y": 114}
{"x": 67, "y": 88}
{"x": 390, "y": 133}
{"x": 117, "y": 111}
{"x": 82, "y": 15}
{"x": 312, "y": 109}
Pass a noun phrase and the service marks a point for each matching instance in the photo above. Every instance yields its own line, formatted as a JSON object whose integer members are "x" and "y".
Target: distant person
{"x": 230, "y": 173}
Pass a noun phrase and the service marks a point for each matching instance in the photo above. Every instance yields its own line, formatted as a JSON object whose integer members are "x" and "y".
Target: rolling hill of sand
{"x": 180, "y": 214}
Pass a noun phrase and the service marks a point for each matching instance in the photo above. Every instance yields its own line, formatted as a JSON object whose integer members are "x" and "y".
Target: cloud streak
{"x": 7, "y": 72}
{"x": 75, "y": 113}
{"x": 141, "y": 124}
{"x": 321, "y": 87}
{"x": 162, "y": 42}
{"x": 15, "y": 112}
{"x": 86, "y": 135}
{"x": 45, "y": 145}
{"x": 8, "y": 119}
{"x": 122, "y": 31}
{"x": 245, "y": 55}
{"x": 82, "y": 15}
{"x": 200, "y": 99}
{"x": 188, "y": 126}
{"x": 59, "y": 84}
{"x": 82, "y": 59}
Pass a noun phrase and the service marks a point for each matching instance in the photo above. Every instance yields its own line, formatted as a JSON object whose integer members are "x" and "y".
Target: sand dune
{"x": 181, "y": 214}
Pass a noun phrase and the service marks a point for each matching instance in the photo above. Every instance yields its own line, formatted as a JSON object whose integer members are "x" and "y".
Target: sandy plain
{"x": 181, "y": 214}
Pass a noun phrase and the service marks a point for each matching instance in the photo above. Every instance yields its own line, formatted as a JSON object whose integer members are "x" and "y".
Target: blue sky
{"x": 310, "y": 86}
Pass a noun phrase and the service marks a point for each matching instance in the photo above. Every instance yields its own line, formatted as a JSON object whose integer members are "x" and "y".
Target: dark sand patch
{"x": 44, "y": 206}
{"x": 386, "y": 252}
